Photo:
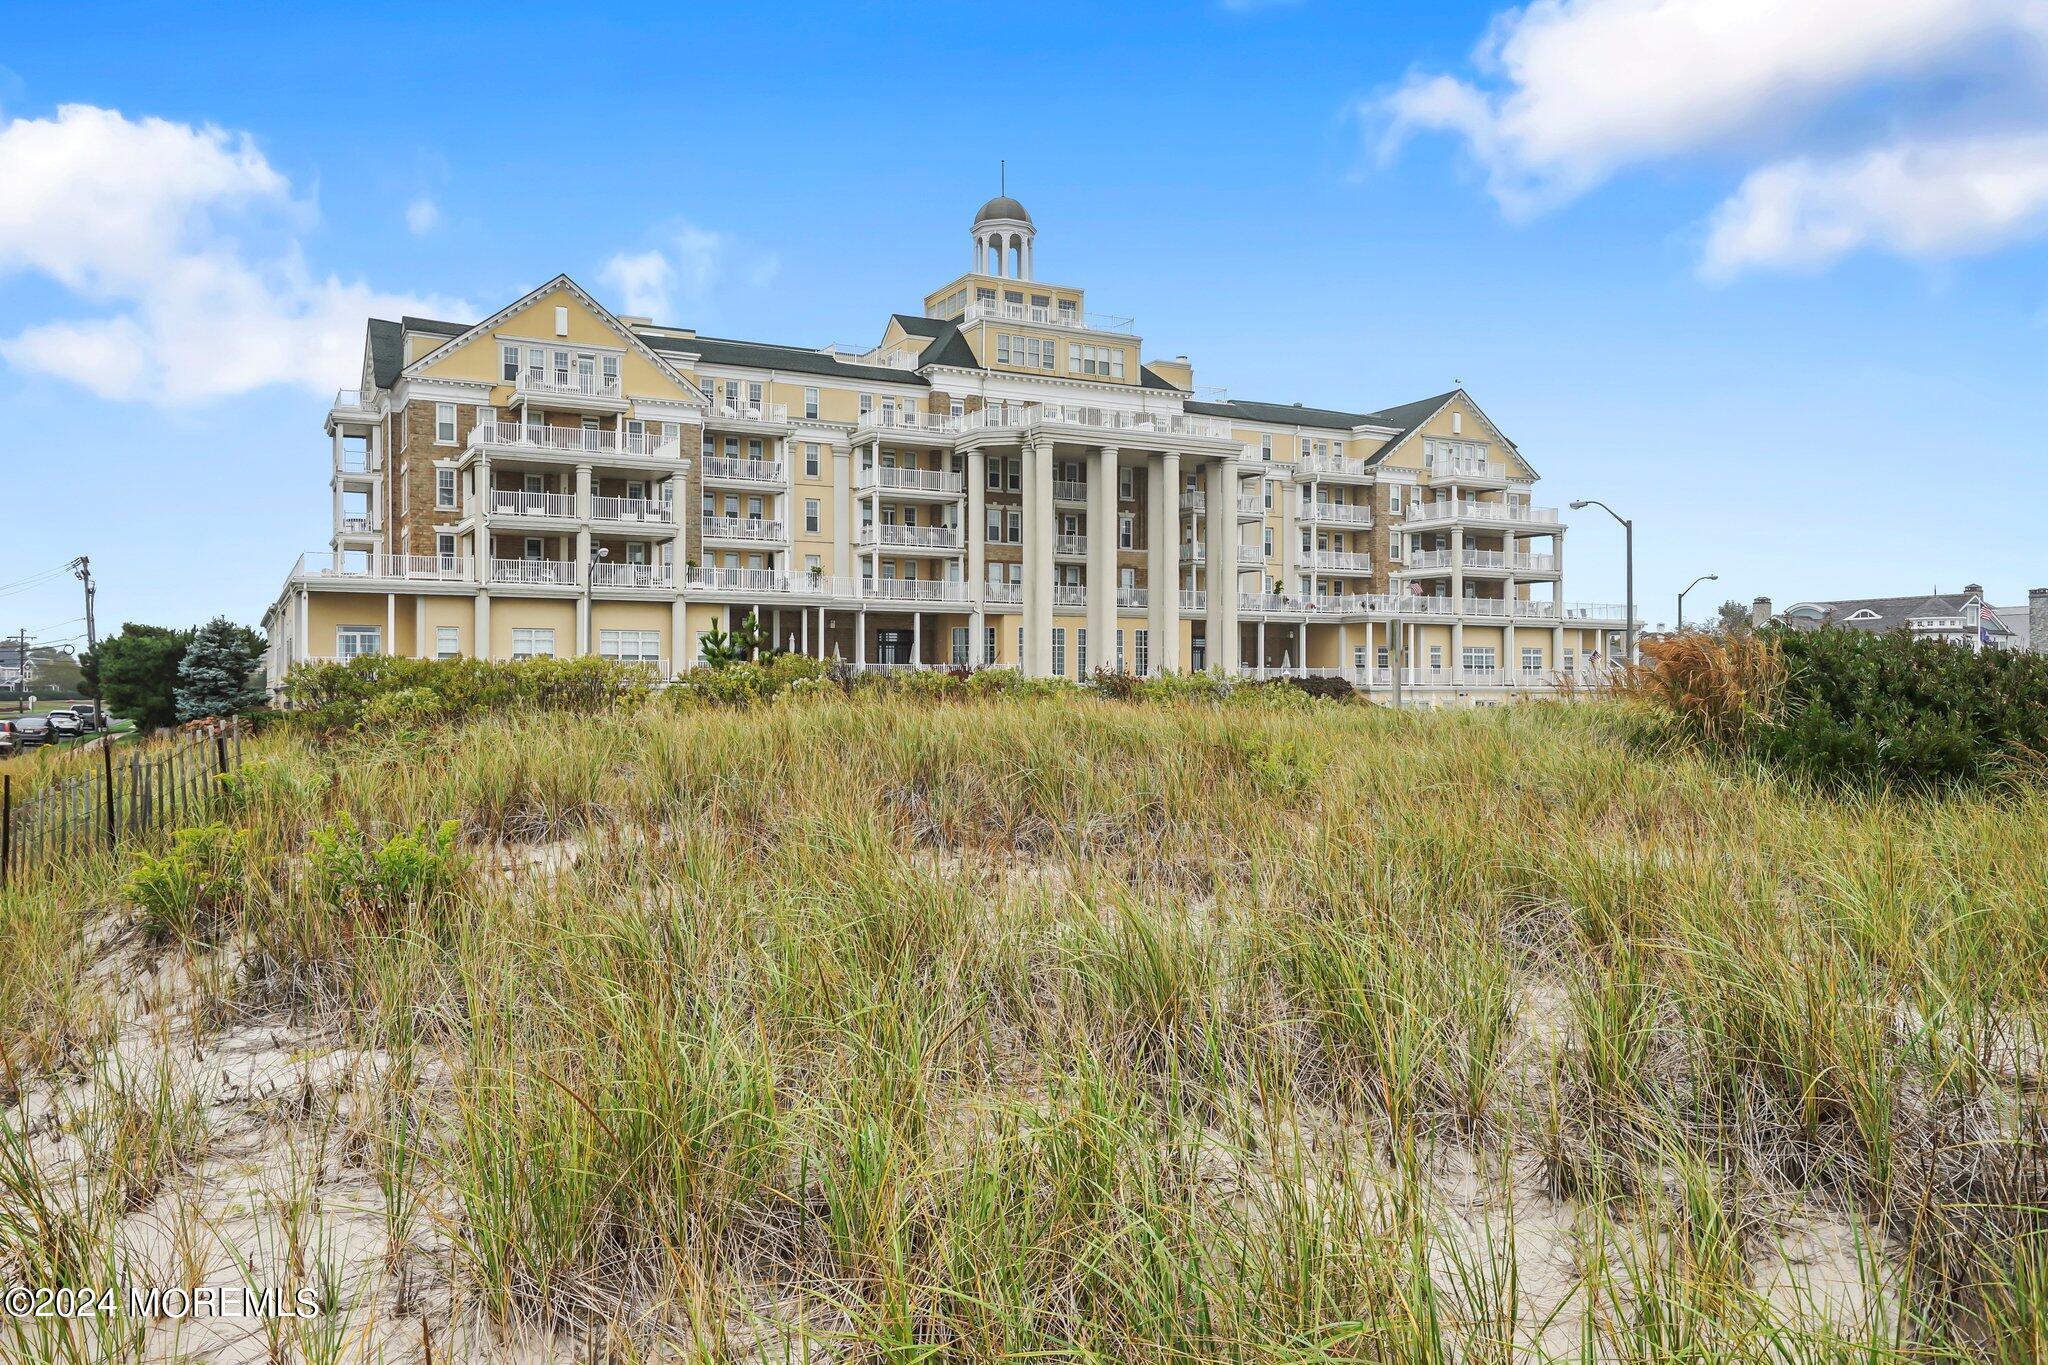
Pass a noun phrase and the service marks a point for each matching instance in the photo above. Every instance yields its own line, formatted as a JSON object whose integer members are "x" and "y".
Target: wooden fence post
{"x": 6, "y": 825}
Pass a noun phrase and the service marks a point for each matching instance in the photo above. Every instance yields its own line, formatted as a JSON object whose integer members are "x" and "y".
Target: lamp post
{"x": 598, "y": 555}
{"x": 1628, "y": 541}
{"x": 1703, "y": 578}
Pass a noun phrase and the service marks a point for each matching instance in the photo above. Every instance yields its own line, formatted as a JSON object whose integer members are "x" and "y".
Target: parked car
{"x": 65, "y": 724}
{"x": 30, "y": 731}
{"x": 7, "y": 744}
{"x": 89, "y": 717}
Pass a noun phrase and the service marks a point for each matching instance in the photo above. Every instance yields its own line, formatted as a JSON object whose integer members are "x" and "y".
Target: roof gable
{"x": 557, "y": 307}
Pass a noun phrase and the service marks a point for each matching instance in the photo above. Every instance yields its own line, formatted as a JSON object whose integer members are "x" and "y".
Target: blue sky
{"x": 1782, "y": 297}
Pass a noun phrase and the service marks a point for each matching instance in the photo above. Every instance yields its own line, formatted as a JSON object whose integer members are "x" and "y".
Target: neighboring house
{"x": 17, "y": 668}
{"x": 1957, "y": 618}
{"x": 1000, "y": 479}
{"x": 2028, "y": 623}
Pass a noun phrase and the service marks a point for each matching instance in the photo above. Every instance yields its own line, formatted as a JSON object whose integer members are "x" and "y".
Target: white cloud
{"x": 642, "y": 280}
{"x": 1581, "y": 88}
{"x": 135, "y": 216}
{"x": 689, "y": 263}
{"x": 1925, "y": 199}
{"x": 422, "y": 216}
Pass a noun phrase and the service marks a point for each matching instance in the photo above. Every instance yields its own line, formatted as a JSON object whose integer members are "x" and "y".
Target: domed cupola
{"x": 1002, "y": 236}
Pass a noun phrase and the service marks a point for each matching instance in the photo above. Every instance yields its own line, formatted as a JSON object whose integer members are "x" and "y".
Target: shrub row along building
{"x": 1000, "y": 481}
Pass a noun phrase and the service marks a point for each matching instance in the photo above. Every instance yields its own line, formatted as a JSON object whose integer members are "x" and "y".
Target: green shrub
{"x": 1847, "y": 706}
{"x": 378, "y": 692}
{"x": 378, "y": 884}
{"x": 195, "y": 887}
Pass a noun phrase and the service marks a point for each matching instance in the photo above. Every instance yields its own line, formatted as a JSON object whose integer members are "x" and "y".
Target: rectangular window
{"x": 1126, "y": 483}
{"x": 1059, "y": 650}
{"x": 1119, "y": 649}
{"x": 630, "y": 646}
{"x": 1532, "y": 660}
{"x": 444, "y": 548}
{"x": 1477, "y": 656}
{"x": 1003, "y": 348}
{"x": 811, "y": 405}
{"x": 1124, "y": 526}
{"x": 533, "y": 642}
{"x": 1266, "y": 448}
{"x": 444, "y": 424}
{"x": 960, "y": 645}
{"x": 447, "y": 642}
{"x": 508, "y": 369}
{"x": 988, "y": 647}
{"x": 810, "y": 516}
{"x": 994, "y": 530}
{"x": 444, "y": 488}
{"x": 352, "y": 642}
{"x": 1141, "y": 651}
{"x": 1016, "y": 526}
{"x": 1081, "y": 652}
{"x": 810, "y": 459}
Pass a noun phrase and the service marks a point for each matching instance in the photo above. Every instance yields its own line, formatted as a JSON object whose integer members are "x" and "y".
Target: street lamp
{"x": 598, "y": 555}
{"x": 1628, "y": 540}
{"x": 1703, "y": 578}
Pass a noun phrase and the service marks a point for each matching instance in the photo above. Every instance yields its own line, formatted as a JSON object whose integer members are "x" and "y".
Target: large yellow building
{"x": 1001, "y": 480}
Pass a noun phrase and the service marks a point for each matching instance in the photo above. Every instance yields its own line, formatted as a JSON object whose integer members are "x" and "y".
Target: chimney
{"x": 1760, "y": 612}
{"x": 2037, "y": 620}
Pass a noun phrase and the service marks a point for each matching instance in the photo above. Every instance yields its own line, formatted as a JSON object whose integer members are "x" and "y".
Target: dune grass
{"x": 1068, "y": 1028}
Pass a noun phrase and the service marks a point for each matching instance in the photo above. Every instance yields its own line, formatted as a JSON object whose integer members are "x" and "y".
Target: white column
{"x": 680, "y": 647}
{"x": 1457, "y": 562}
{"x": 1038, "y": 575}
{"x": 480, "y": 647}
{"x": 1289, "y": 499}
{"x": 842, "y": 511}
{"x": 1222, "y": 575}
{"x": 860, "y": 638}
{"x": 419, "y": 628}
{"x": 391, "y": 624}
{"x": 1162, "y": 538}
{"x": 1102, "y": 524}
{"x": 916, "y": 636}
{"x": 303, "y": 632}
{"x": 974, "y": 537}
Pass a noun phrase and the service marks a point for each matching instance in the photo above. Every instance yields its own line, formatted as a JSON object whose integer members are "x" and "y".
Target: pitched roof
{"x": 1279, "y": 414}
{"x": 1151, "y": 379}
{"x": 1406, "y": 417}
{"x": 724, "y": 351}
{"x": 1889, "y": 613}
{"x": 387, "y": 351}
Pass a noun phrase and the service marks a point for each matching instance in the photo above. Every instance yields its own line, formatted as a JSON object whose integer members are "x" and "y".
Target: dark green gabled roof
{"x": 919, "y": 326}
{"x": 723, "y": 351}
{"x": 387, "y": 352}
{"x": 1404, "y": 418}
{"x": 1150, "y": 379}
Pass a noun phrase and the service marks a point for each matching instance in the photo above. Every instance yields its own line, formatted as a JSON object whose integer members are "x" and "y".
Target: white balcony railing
{"x": 742, "y": 528}
{"x": 774, "y": 413}
{"x": 1195, "y": 553}
{"x": 1194, "y": 600}
{"x": 567, "y": 384}
{"x": 914, "y": 537}
{"x": 1069, "y": 595}
{"x": 435, "y": 568}
{"x": 889, "y": 419}
{"x": 633, "y": 511}
{"x": 573, "y": 440}
{"x": 1133, "y": 597}
{"x": 995, "y": 310}
{"x": 357, "y": 526}
{"x": 1071, "y": 546}
{"x": 909, "y": 480}
{"x": 1339, "y": 561}
{"x": 733, "y": 469}
{"x": 1251, "y": 507}
{"x": 1194, "y": 502}
{"x": 607, "y": 575}
{"x": 739, "y": 580}
{"x": 1337, "y": 513}
{"x": 1443, "y": 465}
{"x": 1003, "y": 593}
{"x": 913, "y": 590}
{"x": 1069, "y": 490}
{"x": 1472, "y": 509}
{"x": 551, "y": 572}
{"x": 512, "y": 502}
{"x": 1333, "y": 466}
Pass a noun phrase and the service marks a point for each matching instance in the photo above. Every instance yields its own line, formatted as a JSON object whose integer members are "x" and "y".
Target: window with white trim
{"x": 1059, "y": 650}
{"x": 811, "y": 516}
{"x": 1141, "y": 650}
{"x": 508, "y": 364}
{"x": 960, "y": 645}
{"x": 1124, "y": 530}
{"x": 630, "y": 646}
{"x": 1477, "y": 656}
{"x": 447, "y": 642}
{"x": 444, "y": 488}
{"x": 811, "y": 404}
{"x": 1532, "y": 659}
{"x": 810, "y": 459}
{"x": 1081, "y": 652}
{"x": 352, "y": 642}
{"x": 533, "y": 642}
{"x": 444, "y": 424}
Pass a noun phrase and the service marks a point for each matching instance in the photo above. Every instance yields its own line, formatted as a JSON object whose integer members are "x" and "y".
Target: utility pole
{"x": 21, "y": 682}
{"x": 82, "y": 567}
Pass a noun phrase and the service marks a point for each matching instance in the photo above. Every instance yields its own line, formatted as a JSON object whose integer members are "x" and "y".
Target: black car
{"x": 29, "y": 731}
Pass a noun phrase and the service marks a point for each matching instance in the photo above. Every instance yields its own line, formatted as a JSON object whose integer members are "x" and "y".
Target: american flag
{"x": 1984, "y": 619}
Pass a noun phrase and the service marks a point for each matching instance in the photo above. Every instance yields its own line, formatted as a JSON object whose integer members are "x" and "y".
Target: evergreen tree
{"x": 214, "y": 677}
{"x": 134, "y": 673}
